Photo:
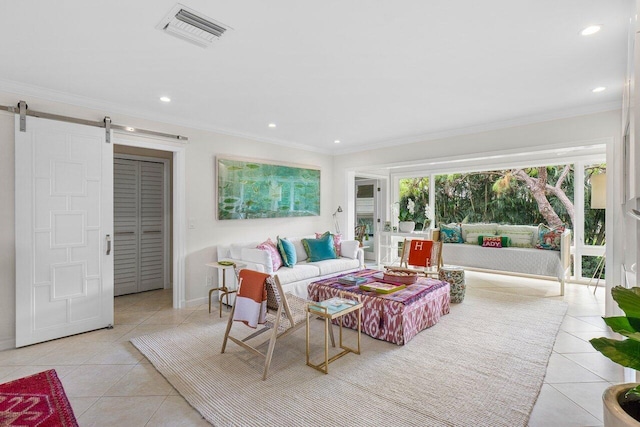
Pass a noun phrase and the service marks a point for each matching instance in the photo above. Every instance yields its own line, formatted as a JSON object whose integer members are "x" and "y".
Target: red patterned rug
{"x": 36, "y": 400}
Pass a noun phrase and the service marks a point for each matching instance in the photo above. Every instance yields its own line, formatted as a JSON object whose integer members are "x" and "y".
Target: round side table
{"x": 455, "y": 276}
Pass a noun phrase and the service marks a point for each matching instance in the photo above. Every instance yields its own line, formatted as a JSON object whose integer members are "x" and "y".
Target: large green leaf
{"x": 622, "y": 324}
{"x": 628, "y": 300}
{"x": 625, "y": 353}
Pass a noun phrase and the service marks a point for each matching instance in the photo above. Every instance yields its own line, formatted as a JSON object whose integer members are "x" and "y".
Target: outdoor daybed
{"x": 267, "y": 258}
{"x": 528, "y": 250}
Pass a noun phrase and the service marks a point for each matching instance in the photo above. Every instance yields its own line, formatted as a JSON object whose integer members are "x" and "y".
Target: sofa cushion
{"x": 480, "y": 228}
{"x": 269, "y": 246}
{"x": 257, "y": 256}
{"x": 349, "y": 249}
{"x": 320, "y": 249}
{"x": 301, "y": 252}
{"x": 522, "y": 236}
{"x": 337, "y": 240}
{"x": 287, "y": 252}
{"x": 451, "y": 233}
{"x": 331, "y": 266}
{"x": 300, "y": 271}
{"x": 235, "y": 250}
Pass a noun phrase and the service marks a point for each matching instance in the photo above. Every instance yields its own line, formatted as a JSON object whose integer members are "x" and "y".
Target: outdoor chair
{"x": 422, "y": 256}
{"x": 284, "y": 314}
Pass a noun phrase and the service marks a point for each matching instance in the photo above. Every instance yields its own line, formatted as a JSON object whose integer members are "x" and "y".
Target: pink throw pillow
{"x": 492, "y": 242}
{"x": 269, "y": 246}
{"x": 337, "y": 240}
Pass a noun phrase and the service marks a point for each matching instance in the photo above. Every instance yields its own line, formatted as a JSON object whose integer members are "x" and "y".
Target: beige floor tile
{"x": 24, "y": 371}
{"x": 594, "y": 319}
{"x": 102, "y": 335}
{"x": 119, "y": 353}
{"x": 81, "y": 404}
{"x": 131, "y": 317}
{"x": 26, "y": 355}
{"x": 588, "y": 396}
{"x": 555, "y": 409}
{"x": 93, "y": 380}
{"x": 563, "y": 370}
{"x": 167, "y": 317}
{"x": 176, "y": 412}
{"x": 599, "y": 365}
{"x": 5, "y": 371}
{"x": 121, "y": 411}
{"x": 142, "y": 380}
{"x": 72, "y": 353}
{"x": 144, "y": 330}
{"x": 568, "y": 343}
{"x": 574, "y": 324}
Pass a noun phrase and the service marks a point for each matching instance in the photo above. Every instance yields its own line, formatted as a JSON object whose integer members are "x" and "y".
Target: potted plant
{"x": 406, "y": 217}
{"x": 621, "y": 403}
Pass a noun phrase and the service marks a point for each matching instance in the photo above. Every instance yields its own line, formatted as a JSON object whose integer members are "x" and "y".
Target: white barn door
{"x": 64, "y": 221}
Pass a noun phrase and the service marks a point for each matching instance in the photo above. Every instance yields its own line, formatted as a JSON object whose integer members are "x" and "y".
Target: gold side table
{"x": 334, "y": 308}
{"x": 224, "y": 290}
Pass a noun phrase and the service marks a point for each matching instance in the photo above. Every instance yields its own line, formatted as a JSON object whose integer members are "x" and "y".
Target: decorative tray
{"x": 404, "y": 277}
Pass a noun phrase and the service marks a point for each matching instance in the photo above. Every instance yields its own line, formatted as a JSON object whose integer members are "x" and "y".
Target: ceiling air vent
{"x": 192, "y": 26}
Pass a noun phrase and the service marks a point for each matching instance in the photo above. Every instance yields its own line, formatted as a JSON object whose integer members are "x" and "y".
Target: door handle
{"x": 108, "y": 244}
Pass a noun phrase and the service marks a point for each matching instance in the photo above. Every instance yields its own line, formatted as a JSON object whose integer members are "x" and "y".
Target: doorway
{"x": 367, "y": 213}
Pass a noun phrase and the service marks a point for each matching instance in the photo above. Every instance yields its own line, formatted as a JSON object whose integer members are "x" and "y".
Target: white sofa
{"x": 297, "y": 278}
{"x": 526, "y": 260}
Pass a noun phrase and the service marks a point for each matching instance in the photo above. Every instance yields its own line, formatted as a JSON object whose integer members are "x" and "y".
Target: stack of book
{"x": 351, "y": 280}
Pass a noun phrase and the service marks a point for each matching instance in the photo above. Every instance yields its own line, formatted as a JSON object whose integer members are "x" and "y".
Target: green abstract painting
{"x": 251, "y": 189}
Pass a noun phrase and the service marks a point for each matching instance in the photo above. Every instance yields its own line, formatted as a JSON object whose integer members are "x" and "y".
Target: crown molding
{"x": 24, "y": 90}
{"x": 503, "y": 124}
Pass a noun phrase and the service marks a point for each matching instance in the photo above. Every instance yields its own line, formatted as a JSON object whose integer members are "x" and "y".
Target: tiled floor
{"x": 110, "y": 383}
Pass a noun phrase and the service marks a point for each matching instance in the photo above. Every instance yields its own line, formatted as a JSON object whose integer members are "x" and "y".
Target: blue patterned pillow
{"x": 287, "y": 252}
{"x": 451, "y": 233}
{"x": 320, "y": 249}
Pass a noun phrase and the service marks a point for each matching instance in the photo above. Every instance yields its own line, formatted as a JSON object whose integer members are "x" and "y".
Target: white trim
{"x": 179, "y": 207}
{"x": 7, "y": 344}
{"x": 166, "y": 196}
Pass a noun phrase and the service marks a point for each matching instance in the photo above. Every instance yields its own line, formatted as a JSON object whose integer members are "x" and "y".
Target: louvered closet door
{"x": 139, "y": 226}
{"x": 152, "y": 225}
{"x": 126, "y": 224}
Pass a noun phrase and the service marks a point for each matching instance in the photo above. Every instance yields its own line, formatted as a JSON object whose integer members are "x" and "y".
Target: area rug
{"x": 481, "y": 365}
{"x": 36, "y": 400}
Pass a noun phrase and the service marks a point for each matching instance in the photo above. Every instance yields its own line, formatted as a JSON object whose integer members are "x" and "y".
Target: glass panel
{"x": 414, "y": 202}
{"x": 593, "y": 266}
{"x": 594, "y": 205}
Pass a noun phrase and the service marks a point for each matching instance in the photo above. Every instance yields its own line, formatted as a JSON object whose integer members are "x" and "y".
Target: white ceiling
{"x": 367, "y": 72}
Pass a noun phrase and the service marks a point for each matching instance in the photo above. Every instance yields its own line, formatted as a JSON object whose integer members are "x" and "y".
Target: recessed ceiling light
{"x": 598, "y": 89}
{"x": 165, "y": 99}
{"x": 591, "y": 29}
{"x": 337, "y": 141}
{"x": 272, "y": 125}
{"x": 129, "y": 129}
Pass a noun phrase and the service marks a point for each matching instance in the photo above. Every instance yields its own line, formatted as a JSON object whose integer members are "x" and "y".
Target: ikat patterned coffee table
{"x": 396, "y": 317}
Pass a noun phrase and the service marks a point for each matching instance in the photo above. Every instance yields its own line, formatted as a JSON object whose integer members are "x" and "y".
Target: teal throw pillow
{"x": 320, "y": 249}
{"x": 287, "y": 252}
{"x": 451, "y": 233}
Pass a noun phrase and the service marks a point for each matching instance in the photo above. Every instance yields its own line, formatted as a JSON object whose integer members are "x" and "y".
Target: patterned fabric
{"x": 395, "y": 317}
{"x": 250, "y": 307}
{"x": 337, "y": 241}
{"x": 549, "y": 238}
{"x": 36, "y": 400}
{"x": 491, "y": 241}
{"x": 287, "y": 252}
{"x": 451, "y": 233}
{"x": 320, "y": 249}
{"x": 270, "y": 247}
{"x": 455, "y": 277}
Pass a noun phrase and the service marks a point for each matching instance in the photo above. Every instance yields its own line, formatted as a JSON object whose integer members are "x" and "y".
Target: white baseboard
{"x": 196, "y": 302}
{"x": 8, "y": 343}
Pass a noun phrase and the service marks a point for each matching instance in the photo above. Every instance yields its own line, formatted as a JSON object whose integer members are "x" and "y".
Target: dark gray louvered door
{"x": 139, "y": 222}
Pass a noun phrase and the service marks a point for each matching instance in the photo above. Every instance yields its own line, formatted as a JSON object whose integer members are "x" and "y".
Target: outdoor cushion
{"x": 451, "y": 233}
{"x": 490, "y": 241}
{"x": 549, "y": 238}
{"x": 480, "y": 228}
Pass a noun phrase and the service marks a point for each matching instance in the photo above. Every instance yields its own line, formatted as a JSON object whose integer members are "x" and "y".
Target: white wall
{"x": 201, "y": 241}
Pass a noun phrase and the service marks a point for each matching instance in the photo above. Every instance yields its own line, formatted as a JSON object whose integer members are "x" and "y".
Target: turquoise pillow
{"x": 320, "y": 249}
{"x": 287, "y": 252}
{"x": 451, "y": 233}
